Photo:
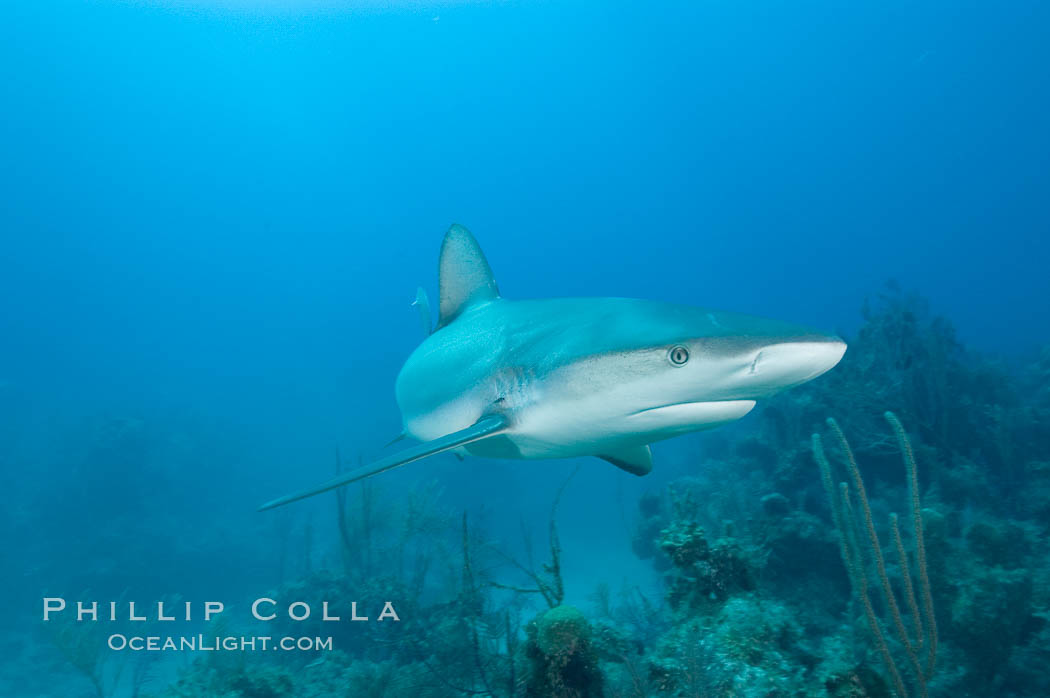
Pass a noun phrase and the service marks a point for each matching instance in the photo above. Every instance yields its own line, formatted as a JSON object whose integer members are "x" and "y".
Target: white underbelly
{"x": 595, "y": 427}
{"x": 544, "y": 426}
{"x": 443, "y": 420}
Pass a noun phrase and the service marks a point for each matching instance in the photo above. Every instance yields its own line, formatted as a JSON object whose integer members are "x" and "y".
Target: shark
{"x": 571, "y": 377}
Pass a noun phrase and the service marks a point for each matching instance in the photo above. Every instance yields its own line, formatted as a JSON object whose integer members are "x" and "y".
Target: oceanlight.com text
{"x": 201, "y": 643}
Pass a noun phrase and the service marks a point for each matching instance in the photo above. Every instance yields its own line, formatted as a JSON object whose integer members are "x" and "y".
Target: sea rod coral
{"x": 859, "y": 545}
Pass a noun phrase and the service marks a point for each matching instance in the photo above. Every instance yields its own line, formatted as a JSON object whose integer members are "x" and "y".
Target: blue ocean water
{"x": 216, "y": 213}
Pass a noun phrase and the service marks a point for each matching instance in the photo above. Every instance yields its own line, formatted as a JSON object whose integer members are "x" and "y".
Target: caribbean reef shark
{"x": 567, "y": 377}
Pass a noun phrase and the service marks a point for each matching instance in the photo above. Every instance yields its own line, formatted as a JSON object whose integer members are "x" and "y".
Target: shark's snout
{"x": 784, "y": 364}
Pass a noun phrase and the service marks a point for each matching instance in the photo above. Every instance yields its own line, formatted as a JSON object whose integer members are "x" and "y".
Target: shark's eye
{"x": 678, "y": 355}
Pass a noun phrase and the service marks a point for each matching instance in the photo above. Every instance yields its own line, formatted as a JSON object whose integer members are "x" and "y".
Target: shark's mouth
{"x": 696, "y": 415}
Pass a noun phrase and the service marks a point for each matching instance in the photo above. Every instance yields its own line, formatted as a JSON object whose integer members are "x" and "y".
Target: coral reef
{"x": 778, "y": 570}
{"x": 859, "y": 543}
{"x": 559, "y": 658}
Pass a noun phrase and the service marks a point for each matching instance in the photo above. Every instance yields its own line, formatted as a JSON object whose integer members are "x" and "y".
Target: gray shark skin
{"x": 568, "y": 377}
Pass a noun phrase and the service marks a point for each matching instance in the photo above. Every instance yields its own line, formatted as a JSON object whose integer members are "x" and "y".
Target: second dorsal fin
{"x": 464, "y": 275}
{"x": 422, "y": 305}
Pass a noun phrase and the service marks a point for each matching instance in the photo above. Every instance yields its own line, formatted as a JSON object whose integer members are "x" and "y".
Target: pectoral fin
{"x": 637, "y": 460}
{"x": 482, "y": 429}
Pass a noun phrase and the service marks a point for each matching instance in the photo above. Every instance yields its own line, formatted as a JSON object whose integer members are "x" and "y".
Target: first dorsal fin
{"x": 464, "y": 275}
